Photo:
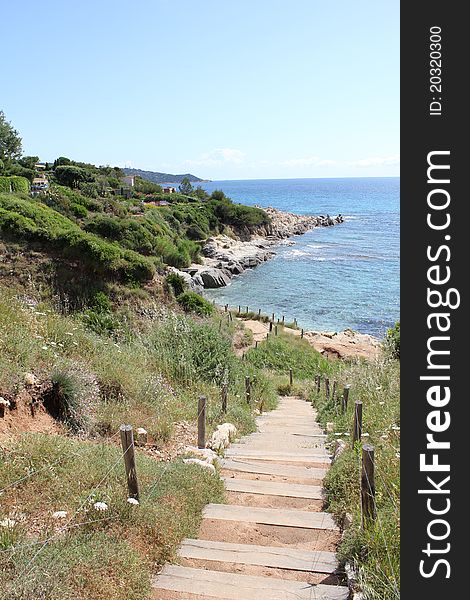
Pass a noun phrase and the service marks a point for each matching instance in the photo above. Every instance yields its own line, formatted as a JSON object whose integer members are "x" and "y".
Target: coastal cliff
{"x": 224, "y": 256}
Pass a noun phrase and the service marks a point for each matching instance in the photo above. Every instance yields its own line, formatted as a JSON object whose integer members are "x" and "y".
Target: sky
{"x": 223, "y": 89}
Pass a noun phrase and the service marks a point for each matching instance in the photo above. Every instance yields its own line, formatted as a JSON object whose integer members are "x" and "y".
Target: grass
{"x": 374, "y": 550}
{"x": 152, "y": 377}
{"x": 92, "y": 554}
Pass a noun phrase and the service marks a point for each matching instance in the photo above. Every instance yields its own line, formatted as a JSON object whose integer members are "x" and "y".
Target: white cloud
{"x": 377, "y": 161}
{"x": 308, "y": 161}
{"x": 218, "y": 156}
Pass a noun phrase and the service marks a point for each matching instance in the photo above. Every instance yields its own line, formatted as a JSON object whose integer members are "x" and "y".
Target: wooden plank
{"x": 284, "y": 436}
{"x": 246, "y": 466}
{"x": 299, "y": 456}
{"x": 273, "y": 488}
{"x": 231, "y": 586}
{"x": 265, "y": 556}
{"x": 270, "y": 516}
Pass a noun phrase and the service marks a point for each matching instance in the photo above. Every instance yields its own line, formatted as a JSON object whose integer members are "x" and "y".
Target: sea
{"x": 330, "y": 278}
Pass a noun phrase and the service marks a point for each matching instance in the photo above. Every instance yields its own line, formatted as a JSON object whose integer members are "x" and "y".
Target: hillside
{"x": 156, "y": 177}
{"x": 97, "y": 331}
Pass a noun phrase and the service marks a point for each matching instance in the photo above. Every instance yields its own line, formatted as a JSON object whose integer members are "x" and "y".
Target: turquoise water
{"x": 333, "y": 277}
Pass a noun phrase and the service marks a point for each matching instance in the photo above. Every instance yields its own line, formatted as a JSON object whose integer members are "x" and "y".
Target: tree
{"x": 10, "y": 141}
{"x": 69, "y": 175}
{"x": 28, "y": 162}
{"x": 186, "y": 187}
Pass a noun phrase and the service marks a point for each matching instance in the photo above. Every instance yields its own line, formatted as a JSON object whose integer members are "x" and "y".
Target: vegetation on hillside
{"x": 85, "y": 311}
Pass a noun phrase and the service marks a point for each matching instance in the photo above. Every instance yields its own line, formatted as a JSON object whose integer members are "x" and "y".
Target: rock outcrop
{"x": 225, "y": 257}
{"x": 345, "y": 344}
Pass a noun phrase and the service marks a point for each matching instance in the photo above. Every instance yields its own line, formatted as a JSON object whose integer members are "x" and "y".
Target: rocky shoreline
{"x": 224, "y": 256}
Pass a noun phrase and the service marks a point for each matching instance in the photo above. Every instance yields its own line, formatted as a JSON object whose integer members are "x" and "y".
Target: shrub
{"x": 78, "y": 210}
{"x": 14, "y": 184}
{"x": 19, "y": 184}
{"x": 35, "y": 221}
{"x": 392, "y": 341}
{"x": 65, "y": 402}
{"x": 192, "y": 302}
{"x": 176, "y": 283}
{"x": 5, "y": 184}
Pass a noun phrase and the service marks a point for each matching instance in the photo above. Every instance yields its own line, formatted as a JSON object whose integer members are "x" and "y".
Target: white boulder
{"x": 200, "y": 463}
{"x": 222, "y": 436}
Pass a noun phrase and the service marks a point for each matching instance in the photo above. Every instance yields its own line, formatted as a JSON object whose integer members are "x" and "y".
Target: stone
{"x": 4, "y": 404}
{"x": 222, "y": 436}
{"x": 214, "y": 278}
{"x": 30, "y": 379}
{"x": 141, "y": 436}
{"x": 203, "y": 453}
{"x": 200, "y": 463}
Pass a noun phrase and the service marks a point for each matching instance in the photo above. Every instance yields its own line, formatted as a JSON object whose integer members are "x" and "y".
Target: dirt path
{"x": 271, "y": 539}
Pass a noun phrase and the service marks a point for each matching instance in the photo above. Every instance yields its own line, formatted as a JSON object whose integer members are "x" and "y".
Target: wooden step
{"x": 273, "y": 488}
{"x": 298, "y": 456}
{"x": 246, "y": 466}
{"x": 232, "y": 586}
{"x": 270, "y": 516}
{"x": 264, "y": 556}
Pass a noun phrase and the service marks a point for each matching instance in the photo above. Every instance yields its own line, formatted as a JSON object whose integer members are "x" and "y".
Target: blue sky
{"x": 225, "y": 89}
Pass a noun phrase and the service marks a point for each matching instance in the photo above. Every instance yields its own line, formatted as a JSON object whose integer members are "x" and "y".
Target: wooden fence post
{"x": 283, "y": 319}
{"x": 226, "y": 307}
{"x": 327, "y": 388}
{"x": 127, "y": 443}
{"x": 239, "y": 309}
{"x": 318, "y": 383}
{"x": 201, "y": 422}
{"x": 345, "y": 398}
{"x": 270, "y": 326}
{"x": 368, "y": 484}
{"x": 224, "y": 397}
{"x": 273, "y": 318}
{"x": 259, "y": 312}
{"x": 275, "y": 330}
{"x": 333, "y": 393}
{"x": 357, "y": 424}
{"x": 248, "y": 390}
{"x": 302, "y": 335}
{"x": 291, "y": 378}
{"x": 256, "y": 344}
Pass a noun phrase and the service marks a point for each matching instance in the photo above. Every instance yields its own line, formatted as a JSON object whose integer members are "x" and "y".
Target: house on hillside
{"x": 129, "y": 180}
{"x": 156, "y": 203}
{"x": 40, "y": 185}
{"x": 169, "y": 190}
{"x": 40, "y": 166}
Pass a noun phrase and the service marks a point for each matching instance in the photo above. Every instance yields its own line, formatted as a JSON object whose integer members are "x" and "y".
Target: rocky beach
{"x": 224, "y": 256}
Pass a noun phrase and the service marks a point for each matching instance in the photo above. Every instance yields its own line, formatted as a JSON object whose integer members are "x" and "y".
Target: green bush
{"x": 78, "y": 210}
{"x": 192, "y": 302}
{"x": 35, "y": 221}
{"x": 65, "y": 402}
{"x": 19, "y": 184}
{"x": 392, "y": 341}
{"x": 176, "y": 283}
{"x": 14, "y": 184}
{"x": 5, "y": 185}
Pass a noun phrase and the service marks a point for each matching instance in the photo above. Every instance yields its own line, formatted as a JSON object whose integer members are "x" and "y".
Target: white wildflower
{"x": 133, "y": 501}
{"x": 100, "y": 506}
{"x": 59, "y": 514}
{"x": 7, "y": 522}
